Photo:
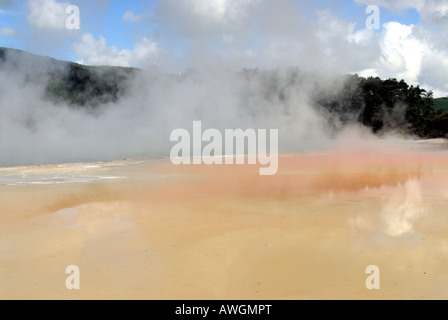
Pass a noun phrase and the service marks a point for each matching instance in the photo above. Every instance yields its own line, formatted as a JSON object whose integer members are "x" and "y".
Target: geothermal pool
{"x": 150, "y": 230}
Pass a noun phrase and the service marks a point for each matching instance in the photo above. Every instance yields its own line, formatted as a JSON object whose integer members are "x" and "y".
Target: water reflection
{"x": 226, "y": 232}
{"x": 402, "y": 209}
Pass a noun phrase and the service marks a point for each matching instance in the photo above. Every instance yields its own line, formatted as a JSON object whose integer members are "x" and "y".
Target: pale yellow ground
{"x": 165, "y": 232}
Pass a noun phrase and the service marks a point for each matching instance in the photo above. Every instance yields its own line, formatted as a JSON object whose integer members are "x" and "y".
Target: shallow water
{"x": 195, "y": 232}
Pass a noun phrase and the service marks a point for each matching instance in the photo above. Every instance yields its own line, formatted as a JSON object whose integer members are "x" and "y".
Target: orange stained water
{"x": 151, "y": 230}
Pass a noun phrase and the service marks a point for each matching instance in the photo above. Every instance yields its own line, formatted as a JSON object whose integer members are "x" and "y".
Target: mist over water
{"x": 300, "y": 49}
{"x": 34, "y": 130}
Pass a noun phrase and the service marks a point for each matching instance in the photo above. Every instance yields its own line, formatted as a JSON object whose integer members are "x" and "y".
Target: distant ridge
{"x": 70, "y": 82}
{"x": 441, "y": 104}
{"x": 380, "y": 105}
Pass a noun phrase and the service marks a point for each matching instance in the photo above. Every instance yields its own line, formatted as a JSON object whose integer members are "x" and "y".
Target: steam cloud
{"x": 34, "y": 130}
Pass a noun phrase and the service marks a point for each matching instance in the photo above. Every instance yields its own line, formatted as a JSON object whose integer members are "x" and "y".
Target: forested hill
{"x": 67, "y": 81}
{"x": 381, "y": 105}
{"x": 390, "y": 104}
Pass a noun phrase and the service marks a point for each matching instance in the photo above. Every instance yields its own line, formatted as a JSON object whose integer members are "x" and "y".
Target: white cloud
{"x": 344, "y": 47}
{"x": 400, "y": 213}
{"x": 431, "y": 11}
{"x": 129, "y": 16}
{"x": 407, "y": 52}
{"x": 361, "y": 37}
{"x": 145, "y": 49}
{"x": 47, "y": 14}
{"x": 402, "y": 53}
{"x": 222, "y": 11}
{"x": 435, "y": 72}
{"x": 262, "y": 33}
{"x": 96, "y": 52}
{"x": 206, "y": 17}
{"x": 8, "y": 32}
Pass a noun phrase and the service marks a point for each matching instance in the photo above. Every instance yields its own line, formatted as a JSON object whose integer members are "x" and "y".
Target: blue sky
{"x": 106, "y": 20}
{"x": 178, "y": 34}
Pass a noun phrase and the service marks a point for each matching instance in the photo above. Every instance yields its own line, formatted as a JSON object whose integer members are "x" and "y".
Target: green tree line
{"x": 384, "y": 105}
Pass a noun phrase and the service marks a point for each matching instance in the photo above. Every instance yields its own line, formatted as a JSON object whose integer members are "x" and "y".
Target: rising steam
{"x": 35, "y": 130}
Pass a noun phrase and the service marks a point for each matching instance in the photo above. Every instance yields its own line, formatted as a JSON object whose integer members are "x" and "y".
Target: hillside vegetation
{"x": 441, "y": 104}
{"x": 67, "y": 81}
{"x": 390, "y": 104}
{"x": 381, "y": 105}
